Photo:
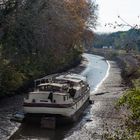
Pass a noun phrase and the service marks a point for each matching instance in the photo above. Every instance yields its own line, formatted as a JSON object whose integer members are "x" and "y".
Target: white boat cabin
{"x": 63, "y": 89}
{"x": 50, "y": 93}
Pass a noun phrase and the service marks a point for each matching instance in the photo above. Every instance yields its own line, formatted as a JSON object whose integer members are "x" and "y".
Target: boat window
{"x": 53, "y": 88}
{"x": 49, "y": 88}
{"x": 41, "y": 88}
{"x": 72, "y": 92}
{"x": 64, "y": 97}
{"x": 70, "y": 83}
{"x": 33, "y": 101}
{"x": 64, "y": 88}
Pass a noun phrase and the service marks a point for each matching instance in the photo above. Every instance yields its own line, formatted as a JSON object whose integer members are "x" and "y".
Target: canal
{"x": 96, "y": 71}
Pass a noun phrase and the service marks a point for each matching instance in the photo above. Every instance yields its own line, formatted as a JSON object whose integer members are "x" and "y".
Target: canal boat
{"x": 60, "y": 96}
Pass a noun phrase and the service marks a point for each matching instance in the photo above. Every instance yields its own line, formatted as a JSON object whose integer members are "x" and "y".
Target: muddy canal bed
{"x": 106, "y": 87}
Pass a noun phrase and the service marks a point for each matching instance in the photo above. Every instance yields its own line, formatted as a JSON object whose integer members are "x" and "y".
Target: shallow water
{"x": 95, "y": 72}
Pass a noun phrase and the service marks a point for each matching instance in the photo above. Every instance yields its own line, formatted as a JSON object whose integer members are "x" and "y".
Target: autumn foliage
{"x": 39, "y": 37}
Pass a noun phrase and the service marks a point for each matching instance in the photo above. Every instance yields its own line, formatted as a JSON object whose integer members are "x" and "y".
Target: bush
{"x": 11, "y": 79}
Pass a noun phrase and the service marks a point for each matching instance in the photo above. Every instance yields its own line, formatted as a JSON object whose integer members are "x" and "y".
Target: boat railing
{"x": 48, "y": 78}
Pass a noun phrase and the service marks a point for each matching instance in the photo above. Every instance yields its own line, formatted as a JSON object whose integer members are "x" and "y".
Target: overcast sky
{"x": 110, "y": 9}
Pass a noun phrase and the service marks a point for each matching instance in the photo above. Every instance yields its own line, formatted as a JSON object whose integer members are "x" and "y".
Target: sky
{"x": 109, "y": 10}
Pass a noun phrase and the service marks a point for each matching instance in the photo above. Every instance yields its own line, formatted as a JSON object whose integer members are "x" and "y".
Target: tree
{"x": 40, "y": 37}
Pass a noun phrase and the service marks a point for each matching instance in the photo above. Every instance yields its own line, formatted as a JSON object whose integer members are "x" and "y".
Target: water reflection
{"x": 95, "y": 71}
{"x": 35, "y": 132}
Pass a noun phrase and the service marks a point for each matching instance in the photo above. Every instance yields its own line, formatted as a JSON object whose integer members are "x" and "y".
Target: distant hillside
{"x": 123, "y": 39}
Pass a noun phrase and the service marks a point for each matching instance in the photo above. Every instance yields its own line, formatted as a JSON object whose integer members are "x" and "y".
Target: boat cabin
{"x": 50, "y": 93}
{"x": 54, "y": 87}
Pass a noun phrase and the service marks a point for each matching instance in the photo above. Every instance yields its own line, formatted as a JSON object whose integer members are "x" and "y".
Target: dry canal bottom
{"x": 96, "y": 71}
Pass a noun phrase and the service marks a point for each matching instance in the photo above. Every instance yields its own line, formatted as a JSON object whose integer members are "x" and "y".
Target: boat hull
{"x": 68, "y": 113}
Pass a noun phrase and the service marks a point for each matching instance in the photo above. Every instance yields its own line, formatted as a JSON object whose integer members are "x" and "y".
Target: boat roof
{"x": 52, "y": 84}
{"x": 68, "y": 79}
{"x": 68, "y": 75}
{"x": 75, "y": 76}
